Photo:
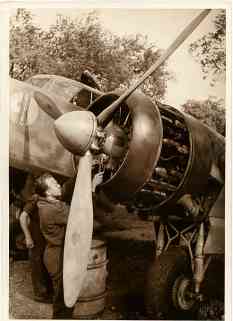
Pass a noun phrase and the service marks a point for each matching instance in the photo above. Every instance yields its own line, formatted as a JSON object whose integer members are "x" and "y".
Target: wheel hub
{"x": 182, "y": 295}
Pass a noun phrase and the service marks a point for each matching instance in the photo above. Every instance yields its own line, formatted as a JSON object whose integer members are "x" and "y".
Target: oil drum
{"x": 91, "y": 301}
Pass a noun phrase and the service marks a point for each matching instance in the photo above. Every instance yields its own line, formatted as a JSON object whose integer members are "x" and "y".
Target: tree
{"x": 70, "y": 46}
{"x": 210, "y": 111}
{"x": 24, "y": 45}
{"x": 210, "y": 50}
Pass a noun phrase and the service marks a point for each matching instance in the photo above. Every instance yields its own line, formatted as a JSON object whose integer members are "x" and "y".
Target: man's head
{"x": 47, "y": 186}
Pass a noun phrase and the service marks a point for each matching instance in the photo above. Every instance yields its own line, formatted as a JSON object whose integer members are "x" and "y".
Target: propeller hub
{"x": 76, "y": 131}
{"x": 116, "y": 142}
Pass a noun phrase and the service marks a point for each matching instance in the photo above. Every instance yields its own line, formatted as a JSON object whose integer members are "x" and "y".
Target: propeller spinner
{"x": 76, "y": 131}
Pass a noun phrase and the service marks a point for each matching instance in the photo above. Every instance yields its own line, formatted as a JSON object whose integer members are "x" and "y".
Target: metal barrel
{"x": 91, "y": 301}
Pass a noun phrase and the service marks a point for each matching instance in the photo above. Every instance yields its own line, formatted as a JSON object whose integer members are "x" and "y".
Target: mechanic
{"x": 35, "y": 242}
{"x": 15, "y": 233}
{"x": 53, "y": 215}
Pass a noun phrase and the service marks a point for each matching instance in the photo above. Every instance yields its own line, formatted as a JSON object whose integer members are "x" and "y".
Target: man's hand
{"x": 97, "y": 180}
{"x": 29, "y": 242}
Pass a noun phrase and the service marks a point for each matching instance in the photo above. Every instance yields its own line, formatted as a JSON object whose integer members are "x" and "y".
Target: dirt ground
{"x": 129, "y": 247}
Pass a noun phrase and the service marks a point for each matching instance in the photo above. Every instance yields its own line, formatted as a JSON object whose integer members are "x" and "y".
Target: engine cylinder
{"x": 186, "y": 158}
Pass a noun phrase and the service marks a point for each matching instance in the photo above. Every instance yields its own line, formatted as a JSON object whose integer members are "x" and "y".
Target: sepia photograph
{"x": 117, "y": 135}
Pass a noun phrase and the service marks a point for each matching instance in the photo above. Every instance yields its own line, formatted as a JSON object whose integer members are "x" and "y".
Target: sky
{"x": 161, "y": 27}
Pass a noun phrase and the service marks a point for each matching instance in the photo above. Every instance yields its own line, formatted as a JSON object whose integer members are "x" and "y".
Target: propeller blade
{"x": 47, "y": 105}
{"x": 78, "y": 233}
{"x": 106, "y": 115}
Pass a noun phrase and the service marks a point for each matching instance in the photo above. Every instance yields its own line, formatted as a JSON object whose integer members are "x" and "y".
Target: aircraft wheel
{"x": 168, "y": 286}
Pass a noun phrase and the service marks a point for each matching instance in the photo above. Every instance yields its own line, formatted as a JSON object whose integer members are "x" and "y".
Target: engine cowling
{"x": 143, "y": 149}
{"x": 169, "y": 155}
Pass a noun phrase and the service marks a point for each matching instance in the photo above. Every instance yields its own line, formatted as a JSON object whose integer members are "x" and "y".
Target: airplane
{"x": 158, "y": 161}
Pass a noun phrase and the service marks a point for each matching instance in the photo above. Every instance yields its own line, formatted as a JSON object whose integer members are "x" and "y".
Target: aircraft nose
{"x": 76, "y": 130}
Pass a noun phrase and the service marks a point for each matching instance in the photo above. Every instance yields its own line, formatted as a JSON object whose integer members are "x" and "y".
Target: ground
{"x": 130, "y": 245}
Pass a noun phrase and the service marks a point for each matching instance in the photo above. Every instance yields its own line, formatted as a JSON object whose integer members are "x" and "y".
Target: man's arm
{"x": 68, "y": 189}
{"x": 24, "y": 220}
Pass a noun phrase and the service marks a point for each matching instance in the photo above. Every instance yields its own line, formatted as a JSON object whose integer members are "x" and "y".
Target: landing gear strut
{"x": 176, "y": 282}
{"x": 168, "y": 286}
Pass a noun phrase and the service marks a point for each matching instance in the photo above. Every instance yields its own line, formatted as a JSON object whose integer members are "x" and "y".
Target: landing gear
{"x": 168, "y": 292}
{"x": 182, "y": 296}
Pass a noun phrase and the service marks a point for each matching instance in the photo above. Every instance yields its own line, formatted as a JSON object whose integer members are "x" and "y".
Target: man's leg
{"x": 39, "y": 274}
{"x": 60, "y": 311}
{"x": 53, "y": 258}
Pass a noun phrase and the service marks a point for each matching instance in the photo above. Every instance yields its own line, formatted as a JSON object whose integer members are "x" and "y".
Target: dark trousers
{"x": 41, "y": 282}
{"x": 53, "y": 259}
{"x": 14, "y": 230}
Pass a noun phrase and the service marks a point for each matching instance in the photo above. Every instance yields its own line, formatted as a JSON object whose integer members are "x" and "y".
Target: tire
{"x": 163, "y": 275}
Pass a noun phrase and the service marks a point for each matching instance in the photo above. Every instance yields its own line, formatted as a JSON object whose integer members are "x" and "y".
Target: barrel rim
{"x": 92, "y": 298}
{"x": 98, "y": 265}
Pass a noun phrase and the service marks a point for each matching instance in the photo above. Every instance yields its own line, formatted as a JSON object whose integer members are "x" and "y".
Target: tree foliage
{"x": 210, "y": 111}
{"x": 210, "y": 50}
{"x": 24, "y": 45}
{"x": 69, "y": 47}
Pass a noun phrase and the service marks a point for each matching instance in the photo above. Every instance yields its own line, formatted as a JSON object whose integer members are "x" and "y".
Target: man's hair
{"x": 41, "y": 185}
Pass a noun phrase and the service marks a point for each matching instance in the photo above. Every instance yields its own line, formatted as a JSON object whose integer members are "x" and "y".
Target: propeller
{"x": 77, "y": 132}
{"x": 79, "y": 232}
{"x": 105, "y": 116}
{"x": 53, "y": 105}
{"x": 47, "y": 105}
{"x": 81, "y": 134}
